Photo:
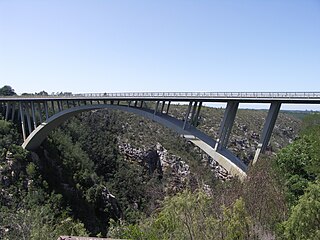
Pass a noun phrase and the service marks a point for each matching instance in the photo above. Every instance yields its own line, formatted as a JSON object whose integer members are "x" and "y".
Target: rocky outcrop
{"x": 174, "y": 167}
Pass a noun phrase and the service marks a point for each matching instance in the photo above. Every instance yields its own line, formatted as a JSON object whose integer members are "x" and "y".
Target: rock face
{"x": 174, "y": 167}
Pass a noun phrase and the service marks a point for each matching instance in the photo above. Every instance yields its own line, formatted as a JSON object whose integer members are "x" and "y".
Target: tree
{"x": 299, "y": 164}
{"x": 304, "y": 221}
{"x": 7, "y": 91}
{"x": 189, "y": 215}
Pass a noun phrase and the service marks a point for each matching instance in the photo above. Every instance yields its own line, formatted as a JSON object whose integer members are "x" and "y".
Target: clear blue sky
{"x": 167, "y": 45}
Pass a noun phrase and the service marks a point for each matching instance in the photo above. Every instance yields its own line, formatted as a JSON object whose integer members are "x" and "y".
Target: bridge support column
{"x": 168, "y": 106}
{"x": 187, "y": 116}
{"x": 156, "y": 108}
{"x": 196, "y": 117}
{"x": 22, "y": 121}
{"x": 193, "y": 112}
{"x": 226, "y": 124}
{"x": 52, "y": 105}
{"x": 28, "y": 117}
{"x": 7, "y": 111}
{"x": 13, "y": 109}
{"x": 39, "y": 112}
{"x": 162, "y": 107}
{"x": 33, "y": 115}
{"x": 46, "y": 110}
{"x": 267, "y": 129}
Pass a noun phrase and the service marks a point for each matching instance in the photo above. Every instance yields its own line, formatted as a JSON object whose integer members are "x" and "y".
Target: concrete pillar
{"x": 22, "y": 121}
{"x": 267, "y": 129}
{"x": 39, "y": 111}
{"x": 28, "y": 117}
{"x": 168, "y": 106}
{"x": 193, "y": 112}
{"x": 59, "y": 106}
{"x": 135, "y": 103}
{"x": 141, "y": 104}
{"x": 68, "y": 104}
{"x": 156, "y": 108}
{"x": 13, "y": 109}
{"x": 196, "y": 117}
{"x": 7, "y": 111}
{"x": 52, "y": 105}
{"x": 187, "y": 115}
{"x": 226, "y": 124}
{"x": 46, "y": 110}
{"x": 33, "y": 115}
{"x": 162, "y": 107}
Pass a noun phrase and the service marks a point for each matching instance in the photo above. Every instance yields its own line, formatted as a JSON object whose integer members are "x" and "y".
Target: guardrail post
{"x": 226, "y": 124}
{"x": 267, "y": 129}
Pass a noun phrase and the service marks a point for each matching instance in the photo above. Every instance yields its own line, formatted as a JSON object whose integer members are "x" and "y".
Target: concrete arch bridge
{"x": 39, "y": 115}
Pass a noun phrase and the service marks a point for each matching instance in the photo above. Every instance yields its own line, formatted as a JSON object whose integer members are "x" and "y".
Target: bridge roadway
{"x": 39, "y": 115}
{"x": 243, "y": 97}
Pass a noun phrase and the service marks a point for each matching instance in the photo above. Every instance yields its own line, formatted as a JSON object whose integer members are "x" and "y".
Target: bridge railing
{"x": 205, "y": 94}
{"x": 258, "y": 95}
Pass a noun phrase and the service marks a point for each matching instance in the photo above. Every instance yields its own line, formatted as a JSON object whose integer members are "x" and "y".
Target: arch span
{"x": 224, "y": 157}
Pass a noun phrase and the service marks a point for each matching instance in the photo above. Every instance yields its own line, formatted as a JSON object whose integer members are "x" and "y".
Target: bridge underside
{"x": 40, "y": 115}
{"x": 224, "y": 157}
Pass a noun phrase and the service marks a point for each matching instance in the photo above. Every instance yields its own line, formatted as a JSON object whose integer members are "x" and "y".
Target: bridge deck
{"x": 245, "y": 97}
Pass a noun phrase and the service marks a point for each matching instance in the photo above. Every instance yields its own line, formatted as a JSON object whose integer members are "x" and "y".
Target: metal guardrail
{"x": 247, "y": 95}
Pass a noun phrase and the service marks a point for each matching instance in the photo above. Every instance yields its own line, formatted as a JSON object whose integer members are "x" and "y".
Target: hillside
{"x": 105, "y": 165}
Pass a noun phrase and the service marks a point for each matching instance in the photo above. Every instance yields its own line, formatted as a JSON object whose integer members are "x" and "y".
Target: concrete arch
{"x": 224, "y": 157}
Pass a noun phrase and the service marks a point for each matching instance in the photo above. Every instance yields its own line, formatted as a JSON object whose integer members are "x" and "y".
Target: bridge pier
{"x": 46, "y": 110}
{"x": 156, "y": 108}
{"x": 7, "y": 111}
{"x": 226, "y": 125}
{"x": 26, "y": 106}
{"x": 196, "y": 117}
{"x": 187, "y": 115}
{"x": 267, "y": 129}
{"x": 33, "y": 116}
{"x": 22, "y": 121}
{"x": 168, "y": 106}
{"x": 13, "y": 109}
{"x": 162, "y": 106}
{"x": 193, "y": 112}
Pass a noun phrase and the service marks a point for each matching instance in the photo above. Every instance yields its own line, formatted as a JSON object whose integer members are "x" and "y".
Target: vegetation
{"x": 80, "y": 183}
